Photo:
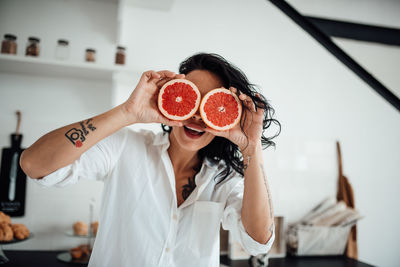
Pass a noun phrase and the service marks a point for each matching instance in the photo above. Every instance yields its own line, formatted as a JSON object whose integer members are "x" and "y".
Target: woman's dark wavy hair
{"x": 221, "y": 148}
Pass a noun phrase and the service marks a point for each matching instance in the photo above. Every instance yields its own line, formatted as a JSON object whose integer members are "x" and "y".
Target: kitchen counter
{"x": 323, "y": 261}
{"x": 23, "y": 258}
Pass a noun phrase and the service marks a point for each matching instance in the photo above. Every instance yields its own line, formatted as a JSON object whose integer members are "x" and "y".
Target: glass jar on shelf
{"x": 33, "y": 48}
{"x": 9, "y": 44}
{"x": 120, "y": 55}
{"x": 62, "y": 49}
{"x": 90, "y": 55}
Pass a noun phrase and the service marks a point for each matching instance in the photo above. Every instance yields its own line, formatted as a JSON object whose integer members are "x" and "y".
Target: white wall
{"x": 48, "y": 103}
{"x": 316, "y": 98}
{"x": 86, "y": 24}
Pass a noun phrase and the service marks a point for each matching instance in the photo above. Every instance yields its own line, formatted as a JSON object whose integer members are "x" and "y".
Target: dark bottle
{"x": 9, "y": 46}
{"x": 120, "y": 55}
{"x": 32, "y": 48}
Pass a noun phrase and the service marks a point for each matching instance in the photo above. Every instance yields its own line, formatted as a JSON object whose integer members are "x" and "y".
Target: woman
{"x": 166, "y": 194}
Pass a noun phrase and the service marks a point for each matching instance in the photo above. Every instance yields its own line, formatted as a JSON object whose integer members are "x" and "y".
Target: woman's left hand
{"x": 252, "y": 126}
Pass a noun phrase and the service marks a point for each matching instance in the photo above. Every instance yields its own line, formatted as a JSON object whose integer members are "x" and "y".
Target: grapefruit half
{"x": 221, "y": 109}
{"x": 179, "y": 99}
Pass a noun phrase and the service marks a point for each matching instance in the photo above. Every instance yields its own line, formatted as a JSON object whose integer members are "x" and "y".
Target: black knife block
{"x": 15, "y": 208}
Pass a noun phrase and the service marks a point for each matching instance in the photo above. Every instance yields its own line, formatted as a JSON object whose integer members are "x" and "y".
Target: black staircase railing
{"x": 326, "y": 41}
{"x": 357, "y": 31}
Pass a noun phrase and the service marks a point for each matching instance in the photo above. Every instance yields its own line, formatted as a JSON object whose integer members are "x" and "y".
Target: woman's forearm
{"x": 63, "y": 146}
{"x": 257, "y": 211}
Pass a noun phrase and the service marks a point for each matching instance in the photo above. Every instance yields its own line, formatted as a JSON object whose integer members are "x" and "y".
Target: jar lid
{"x": 91, "y": 50}
{"x": 34, "y": 39}
{"x": 62, "y": 42}
{"x": 11, "y": 37}
{"x": 121, "y": 47}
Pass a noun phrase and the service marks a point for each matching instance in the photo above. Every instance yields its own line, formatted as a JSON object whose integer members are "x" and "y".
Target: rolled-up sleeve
{"x": 94, "y": 164}
{"x": 232, "y": 221}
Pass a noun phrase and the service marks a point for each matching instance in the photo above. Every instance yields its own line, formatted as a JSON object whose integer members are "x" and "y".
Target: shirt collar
{"x": 161, "y": 139}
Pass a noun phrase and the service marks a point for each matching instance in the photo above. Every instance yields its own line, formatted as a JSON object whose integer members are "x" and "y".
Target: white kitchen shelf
{"x": 58, "y": 68}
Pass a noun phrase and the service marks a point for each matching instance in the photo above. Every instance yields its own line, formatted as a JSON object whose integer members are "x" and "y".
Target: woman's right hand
{"x": 141, "y": 106}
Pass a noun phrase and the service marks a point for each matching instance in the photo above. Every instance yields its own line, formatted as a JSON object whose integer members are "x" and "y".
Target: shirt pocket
{"x": 205, "y": 227}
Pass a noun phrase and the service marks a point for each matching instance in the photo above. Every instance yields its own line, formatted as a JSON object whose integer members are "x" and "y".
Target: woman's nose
{"x": 197, "y": 117}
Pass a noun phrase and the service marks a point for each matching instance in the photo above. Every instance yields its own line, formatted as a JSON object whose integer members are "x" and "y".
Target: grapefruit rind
{"x": 204, "y": 115}
{"x": 173, "y": 117}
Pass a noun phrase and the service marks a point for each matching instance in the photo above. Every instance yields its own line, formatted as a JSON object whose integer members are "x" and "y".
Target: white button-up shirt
{"x": 140, "y": 223}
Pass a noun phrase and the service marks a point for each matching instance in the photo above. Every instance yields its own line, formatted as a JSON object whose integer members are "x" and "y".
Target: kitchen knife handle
{"x": 13, "y": 177}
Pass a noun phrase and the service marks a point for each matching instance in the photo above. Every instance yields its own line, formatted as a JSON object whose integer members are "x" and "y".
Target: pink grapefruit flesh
{"x": 221, "y": 109}
{"x": 179, "y": 99}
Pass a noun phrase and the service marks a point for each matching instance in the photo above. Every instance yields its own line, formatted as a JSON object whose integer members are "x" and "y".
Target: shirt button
{"x": 166, "y": 249}
{"x": 175, "y": 217}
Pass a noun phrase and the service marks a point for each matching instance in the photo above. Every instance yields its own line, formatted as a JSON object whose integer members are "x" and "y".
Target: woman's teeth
{"x": 193, "y": 129}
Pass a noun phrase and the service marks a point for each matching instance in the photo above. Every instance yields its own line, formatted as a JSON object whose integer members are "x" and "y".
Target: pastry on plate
{"x": 80, "y": 228}
{"x": 20, "y": 231}
{"x": 76, "y": 253}
{"x": 6, "y": 232}
{"x": 94, "y": 226}
{"x": 4, "y": 218}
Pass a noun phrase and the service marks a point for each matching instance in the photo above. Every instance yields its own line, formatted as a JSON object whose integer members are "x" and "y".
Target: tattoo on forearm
{"x": 188, "y": 188}
{"x": 269, "y": 197}
{"x": 85, "y": 132}
{"x": 90, "y": 125}
{"x": 78, "y": 135}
